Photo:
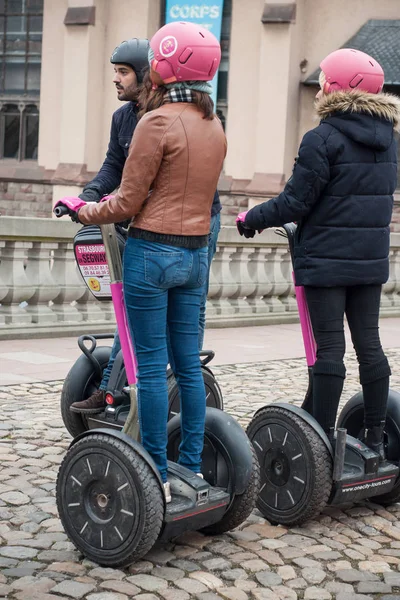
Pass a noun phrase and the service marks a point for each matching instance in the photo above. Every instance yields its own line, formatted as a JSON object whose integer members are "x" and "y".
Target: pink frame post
{"x": 124, "y": 333}
{"x": 305, "y": 323}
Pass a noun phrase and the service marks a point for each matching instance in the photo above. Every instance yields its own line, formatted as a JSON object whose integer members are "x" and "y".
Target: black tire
{"x": 291, "y": 492}
{"x": 219, "y": 469}
{"x": 352, "y": 419}
{"x": 100, "y": 478}
{"x": 79, "y": 384}
{"x": 213, "y": 393}
{"x": 241, "y": 506}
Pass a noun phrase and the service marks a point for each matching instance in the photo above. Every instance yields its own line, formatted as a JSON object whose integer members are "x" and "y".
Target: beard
{"x": 128, "y": 93}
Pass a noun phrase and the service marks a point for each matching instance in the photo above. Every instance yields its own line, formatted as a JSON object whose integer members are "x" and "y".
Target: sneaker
{"x": 167, "y": 492}
{"x": 96, "y": 403}
{"x": 200, "y": 475}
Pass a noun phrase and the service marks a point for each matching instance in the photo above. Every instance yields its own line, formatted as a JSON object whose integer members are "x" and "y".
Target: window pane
{"x": 31, "y": 136}
{"x": 15, "y": 45}
{"x": 14, "y": 75}
{"x": 35, "y": 47}
{"x": 15, "y": 24}
{"x": 14, "y": 6}
{"x": 35, "y": 24}
{"x": 35, "y": 6}
{"x": 2, "y": 6}
{"x": 11, "y": 140}
{"x": 33, "y": 81}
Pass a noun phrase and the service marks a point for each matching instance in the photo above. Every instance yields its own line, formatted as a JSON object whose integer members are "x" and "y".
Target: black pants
{"x": 327, "y": 307}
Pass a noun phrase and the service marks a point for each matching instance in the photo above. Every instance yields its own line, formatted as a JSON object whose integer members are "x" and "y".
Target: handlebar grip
{"x": 61, "y": 211}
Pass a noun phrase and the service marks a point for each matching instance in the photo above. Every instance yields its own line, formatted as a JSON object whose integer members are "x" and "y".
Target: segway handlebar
{"x": 61, "y": 211}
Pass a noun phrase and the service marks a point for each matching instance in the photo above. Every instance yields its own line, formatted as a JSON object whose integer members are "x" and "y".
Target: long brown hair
{"x": 150, "y": 99}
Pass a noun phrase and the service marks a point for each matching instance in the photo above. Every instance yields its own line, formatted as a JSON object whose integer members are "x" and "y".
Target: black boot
{"x": 373, "y": 438}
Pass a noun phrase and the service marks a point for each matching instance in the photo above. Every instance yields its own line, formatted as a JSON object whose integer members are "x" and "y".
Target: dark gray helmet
{"x": 134, "y": 53}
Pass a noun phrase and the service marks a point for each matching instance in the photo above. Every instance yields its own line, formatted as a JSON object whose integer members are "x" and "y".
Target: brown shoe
{"x": 94, "y": 404}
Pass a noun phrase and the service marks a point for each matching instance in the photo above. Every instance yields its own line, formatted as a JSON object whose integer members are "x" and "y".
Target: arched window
{"x": 21, "y": 24}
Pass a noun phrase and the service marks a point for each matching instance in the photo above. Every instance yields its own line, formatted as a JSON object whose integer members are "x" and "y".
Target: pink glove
{"x": 242, "y": 216}
{"x": 69, "y": 205}
{"x": 105, "y": 198}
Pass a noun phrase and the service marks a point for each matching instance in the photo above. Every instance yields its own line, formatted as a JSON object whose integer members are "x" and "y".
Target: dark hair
{"x": 150, "y": 99}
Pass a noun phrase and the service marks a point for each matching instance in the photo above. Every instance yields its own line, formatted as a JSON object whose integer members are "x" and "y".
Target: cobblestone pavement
{"x": 352, "y": 553}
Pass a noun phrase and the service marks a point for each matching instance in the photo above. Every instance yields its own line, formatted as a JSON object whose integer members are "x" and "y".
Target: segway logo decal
{"x": 168, "y": 46}
{"x": 365, "y": 485}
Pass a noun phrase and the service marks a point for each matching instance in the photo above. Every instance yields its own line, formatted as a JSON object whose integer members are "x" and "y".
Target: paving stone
{"x": 351, "y": 596}
{"x": 245, "y": 585}
{"x": 352, "y": 575}
{"x": 109, "y": 596}
{"x": 373, "y": 587}
{"x": 142, "y": 566}
{"x": 123, "y": 587}
{"x": 286, "y": 572}
{"x": 106, "y": 573}
{"x": 297, "y": 584}
{"x": 254, "y": 565}
{"x": 174, "y": 594}
{"x": 217, "y": 564}
{"x": 317, "y": 593}
{"x": 168, "y": 573}
{"x": 337, "y": 587}
{"x": 266, "y": 578}
{"x": 191, "y": 585}
{"x": 232, "y": 593}
{"x": 73, "y": 588}
{"x": 392, "y": 578}
{"x": 284, "y": 593}
{"x": 5, "y": 590}
{"x": 208, "y": 579}
{"x": 185, "y": 565}
{"x": 233, "y": 574}
{"x": 18, "y": 552}
{"x": 313, "y": 575}
{"x": 148, "y": 582}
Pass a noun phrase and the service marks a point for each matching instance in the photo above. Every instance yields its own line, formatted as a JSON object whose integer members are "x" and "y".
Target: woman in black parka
{"x": 341, "y": 196}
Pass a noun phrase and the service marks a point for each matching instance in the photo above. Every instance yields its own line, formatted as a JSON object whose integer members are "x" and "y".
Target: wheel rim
{"x": 284, "y": 473}
{"x": 101, "y": 501}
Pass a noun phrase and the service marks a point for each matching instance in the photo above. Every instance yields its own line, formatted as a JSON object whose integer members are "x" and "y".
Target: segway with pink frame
{"x": 302, "y": 469}
{"x": 109, "y": 491}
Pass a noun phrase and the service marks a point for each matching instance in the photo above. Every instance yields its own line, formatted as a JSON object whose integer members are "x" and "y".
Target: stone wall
{"x": 25, "y": 199}
{"x": 22, "y": 199}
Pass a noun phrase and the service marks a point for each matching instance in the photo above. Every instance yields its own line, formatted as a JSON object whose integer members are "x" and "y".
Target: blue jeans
{"x": 163, "y": 286}
{"x": 215, "y": 227}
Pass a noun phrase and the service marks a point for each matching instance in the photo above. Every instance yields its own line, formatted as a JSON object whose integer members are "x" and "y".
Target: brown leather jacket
{"x": 170, "y": 175}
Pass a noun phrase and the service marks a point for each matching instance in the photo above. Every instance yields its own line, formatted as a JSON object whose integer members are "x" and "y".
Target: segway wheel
{"x": 220, "y": 465}
{"x": 109, "y": 501}
{"x": 296, "y": 466}
{"x": 241, "y": 505}
{"x": 213, "y": 393}
{"x": 80, "y": 383}
{"x": 352, "y": 419}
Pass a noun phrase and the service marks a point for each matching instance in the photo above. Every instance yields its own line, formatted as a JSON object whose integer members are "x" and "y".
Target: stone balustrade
{"x": 42, "y": 293}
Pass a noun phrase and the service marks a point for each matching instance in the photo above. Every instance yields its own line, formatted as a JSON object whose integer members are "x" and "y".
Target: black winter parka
{"x": 341, "y": 192}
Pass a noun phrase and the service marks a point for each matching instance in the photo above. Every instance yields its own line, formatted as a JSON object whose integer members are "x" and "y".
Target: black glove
{"x": 246, "y": 231}
{"x": 90, "y": 195}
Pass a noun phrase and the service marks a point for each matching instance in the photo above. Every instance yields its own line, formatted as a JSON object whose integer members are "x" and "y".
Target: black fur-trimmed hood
{"x": 368, "y": 119}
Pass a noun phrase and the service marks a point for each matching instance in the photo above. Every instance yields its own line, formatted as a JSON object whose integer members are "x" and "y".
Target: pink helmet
{"x": 348, "y": 69}
{"x": 184, "y": 52}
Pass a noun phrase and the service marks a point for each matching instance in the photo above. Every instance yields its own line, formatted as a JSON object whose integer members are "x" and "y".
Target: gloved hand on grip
{"x": 241, "y": 226}
{"x": 72, "y": 204}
